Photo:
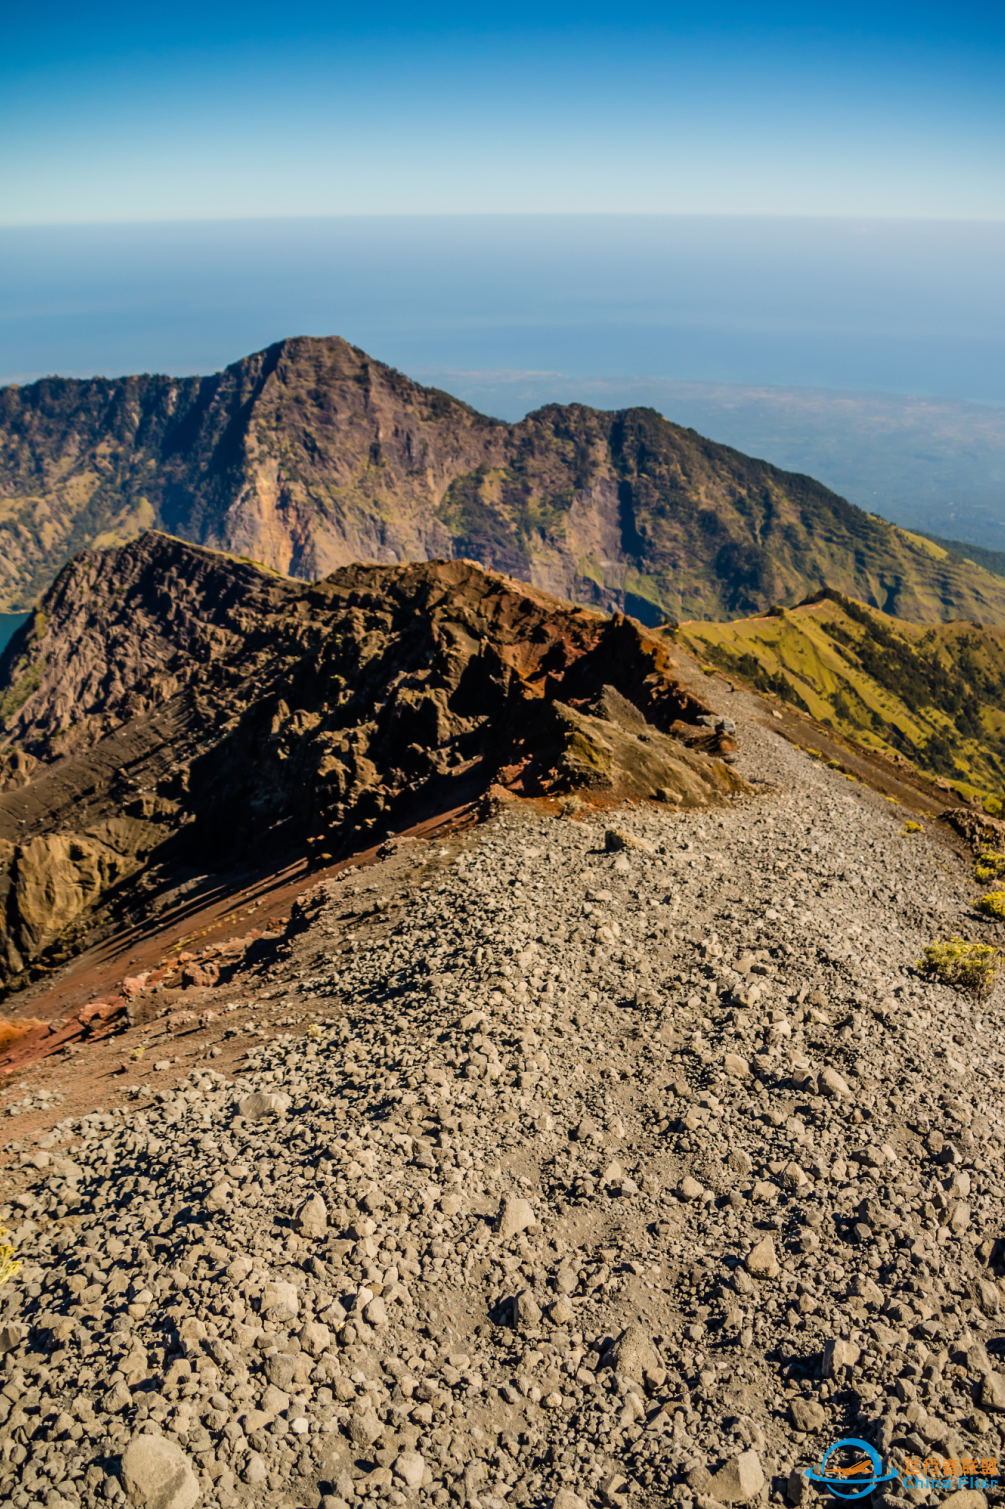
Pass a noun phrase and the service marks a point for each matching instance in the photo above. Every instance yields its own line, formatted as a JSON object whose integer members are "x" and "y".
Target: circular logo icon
{"x": 851, "y": 1469}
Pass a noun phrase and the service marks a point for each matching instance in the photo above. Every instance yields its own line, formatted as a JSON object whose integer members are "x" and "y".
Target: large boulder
{"x": 633, "y": 1354}
{"x": 156, "y": 1474}
{"x": 739, "y": 1480}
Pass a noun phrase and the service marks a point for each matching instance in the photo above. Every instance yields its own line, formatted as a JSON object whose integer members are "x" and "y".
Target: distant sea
{"x": 713, "y": 318}
{"x": 895, "y": 306}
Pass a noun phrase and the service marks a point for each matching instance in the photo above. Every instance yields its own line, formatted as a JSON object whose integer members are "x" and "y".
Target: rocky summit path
{"x": 590, "y": 1175}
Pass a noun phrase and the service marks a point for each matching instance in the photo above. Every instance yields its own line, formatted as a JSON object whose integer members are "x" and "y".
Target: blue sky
{"x": 125, "y": 112}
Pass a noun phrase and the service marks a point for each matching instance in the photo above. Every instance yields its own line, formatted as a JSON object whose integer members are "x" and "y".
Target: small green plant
{"x": 971, "y": 966}
{"x": 993, "y": 905}
{"x": 989, "y": 865}
{"x": 910, "y": 827}
{"x": 314, "y": 1032}
{"x": 22, "y": 689}
{"x": 9, "y": 1264}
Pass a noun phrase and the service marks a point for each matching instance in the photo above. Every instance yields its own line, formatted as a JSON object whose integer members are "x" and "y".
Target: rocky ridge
{"x": 311, "y": 455}
{"x": 596, "y": 1170}
{"x": 170, "y": 711}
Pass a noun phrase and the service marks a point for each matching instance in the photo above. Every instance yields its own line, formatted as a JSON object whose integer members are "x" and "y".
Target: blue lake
{"x": 9, "y": 625}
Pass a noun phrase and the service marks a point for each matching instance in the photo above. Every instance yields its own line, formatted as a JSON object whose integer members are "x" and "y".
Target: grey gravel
{"x": 615, "y": 1175}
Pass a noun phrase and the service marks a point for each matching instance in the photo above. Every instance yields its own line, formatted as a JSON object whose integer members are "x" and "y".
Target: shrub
{"x": 989, "y": 865}
{"x": 993, "y": 905}
{"x": 910, "y": 827}
{"x": 9, "y": 1264}
{"x": 971, "y": 966}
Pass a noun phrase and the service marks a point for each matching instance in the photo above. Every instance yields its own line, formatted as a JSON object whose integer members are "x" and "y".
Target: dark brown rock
{"x": 180, "y": 707}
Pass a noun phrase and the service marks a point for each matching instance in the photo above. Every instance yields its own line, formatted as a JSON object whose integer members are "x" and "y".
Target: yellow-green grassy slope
{"x": 932, "y": 695}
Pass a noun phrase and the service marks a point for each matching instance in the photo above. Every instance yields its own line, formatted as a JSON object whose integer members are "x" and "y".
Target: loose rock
{"x": 156, "y": 1474}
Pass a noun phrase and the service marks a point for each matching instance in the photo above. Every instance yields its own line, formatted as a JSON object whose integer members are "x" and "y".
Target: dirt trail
{"x": 618, "y": 1159}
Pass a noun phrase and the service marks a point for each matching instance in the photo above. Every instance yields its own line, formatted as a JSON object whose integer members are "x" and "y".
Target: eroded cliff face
{"x": 170, "y": 710}
{"x": 312, "y": 455}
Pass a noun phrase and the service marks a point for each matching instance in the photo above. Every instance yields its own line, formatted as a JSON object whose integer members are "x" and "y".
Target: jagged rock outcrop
{"x": 977, "y": 828}
{"x": 169, "y": 706}
{"x": 50, "y": 880}
{"x": 311, "y": 455}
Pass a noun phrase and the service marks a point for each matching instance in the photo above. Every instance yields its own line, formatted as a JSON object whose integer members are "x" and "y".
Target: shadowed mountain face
{"x": 169, "y": 711}
{"x": 311, "y": 455}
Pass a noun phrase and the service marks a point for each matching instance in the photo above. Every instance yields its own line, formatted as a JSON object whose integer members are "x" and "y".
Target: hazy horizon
{"x": 808, "y": 302}
{"x": 729, "y": 324}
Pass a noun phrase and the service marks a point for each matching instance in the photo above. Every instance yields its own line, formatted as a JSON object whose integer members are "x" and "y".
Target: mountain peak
{"x": 311, "y": 454}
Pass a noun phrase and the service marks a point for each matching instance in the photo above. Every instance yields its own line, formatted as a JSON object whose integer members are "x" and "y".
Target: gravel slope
{"x": 608, "y": 1175}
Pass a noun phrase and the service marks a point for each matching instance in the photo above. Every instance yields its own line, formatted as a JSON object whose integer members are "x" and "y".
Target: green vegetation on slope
{"x": 900, "y": 456}
{"x": 933, "y": 696}
{"x": 971, "y": 966}
{"x": 989, "y": 560}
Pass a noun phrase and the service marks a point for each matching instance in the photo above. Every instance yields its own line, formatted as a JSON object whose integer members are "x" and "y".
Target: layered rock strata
{"x": 169, "y": 707}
